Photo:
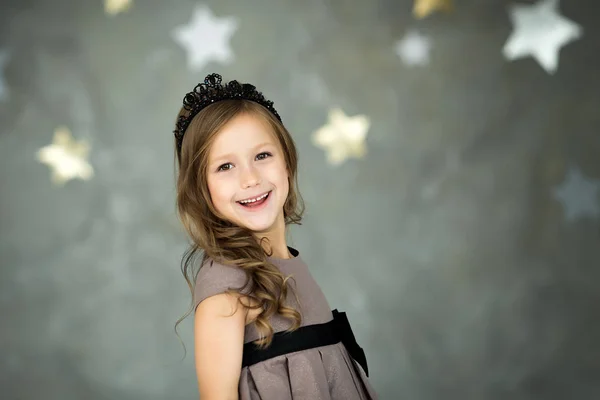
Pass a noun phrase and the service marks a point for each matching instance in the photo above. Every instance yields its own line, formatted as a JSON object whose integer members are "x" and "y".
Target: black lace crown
{"x": 212, "y": 91}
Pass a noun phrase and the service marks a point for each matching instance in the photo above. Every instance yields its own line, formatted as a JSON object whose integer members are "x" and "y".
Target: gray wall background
{"x": 464, "y": 274}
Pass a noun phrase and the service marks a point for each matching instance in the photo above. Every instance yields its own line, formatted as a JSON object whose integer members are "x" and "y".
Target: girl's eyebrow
{"x": 229, "y": 156}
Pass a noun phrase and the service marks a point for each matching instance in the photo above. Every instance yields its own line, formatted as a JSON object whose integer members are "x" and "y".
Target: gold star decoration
{"x": 342, "y": 137}
{"x": 423, "y": 8}
{"x": 114, "y": 7}
{"x": 66, "y": 157}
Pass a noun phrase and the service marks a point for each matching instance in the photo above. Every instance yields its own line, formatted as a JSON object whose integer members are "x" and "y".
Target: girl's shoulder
{"x": 215, "y": 278}
{"x": 211, "y": 267}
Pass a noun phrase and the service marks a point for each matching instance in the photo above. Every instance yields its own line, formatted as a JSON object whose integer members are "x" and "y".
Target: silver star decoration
{"x": 579, "y": 196}
{"x": 540, "y": 31}
{"x": 413, "y": 49}
{"x": 342, "y": 137}
{"x": 66, "y": 157}
{"x": 206, "y": 38}
{"x": 3, "y": 62}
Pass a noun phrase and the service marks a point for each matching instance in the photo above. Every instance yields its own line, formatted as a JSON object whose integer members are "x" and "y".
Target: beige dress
{"x": 321, "y": 373}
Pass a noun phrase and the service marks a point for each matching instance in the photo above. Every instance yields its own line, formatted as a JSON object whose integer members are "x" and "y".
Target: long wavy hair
{"x": 221, "y": 240}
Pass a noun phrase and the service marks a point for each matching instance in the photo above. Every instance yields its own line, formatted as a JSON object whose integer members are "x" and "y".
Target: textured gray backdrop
{"x": 455, "y": 245}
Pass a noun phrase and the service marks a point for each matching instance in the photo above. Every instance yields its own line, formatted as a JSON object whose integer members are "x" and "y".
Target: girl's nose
{"x": 250, "y": 178}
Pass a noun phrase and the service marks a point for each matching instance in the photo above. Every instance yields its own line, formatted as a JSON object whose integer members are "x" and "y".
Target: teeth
{"x": 254, "y": 200}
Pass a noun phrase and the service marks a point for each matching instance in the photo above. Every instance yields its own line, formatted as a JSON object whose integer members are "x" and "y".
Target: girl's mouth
{"x": 256, "y": 205}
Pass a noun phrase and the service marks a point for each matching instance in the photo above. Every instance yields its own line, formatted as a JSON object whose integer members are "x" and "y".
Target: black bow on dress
{"x": 347, "y": 336}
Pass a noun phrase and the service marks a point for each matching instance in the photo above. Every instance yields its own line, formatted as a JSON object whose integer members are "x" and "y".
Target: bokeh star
{"x": 206, "y": 38}
{"x": 579, "y": 196}
{"x": 539, "y": 31}
{"x": 114, "y": 7}
{"x": 342, "y": 137}
{"x": 66, "y": 157}
{"x": 413, "y": 49}
{"x": 423, "y": 8}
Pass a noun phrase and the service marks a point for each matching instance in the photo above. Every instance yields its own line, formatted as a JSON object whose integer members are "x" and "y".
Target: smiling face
{"x": 245, "y": 161}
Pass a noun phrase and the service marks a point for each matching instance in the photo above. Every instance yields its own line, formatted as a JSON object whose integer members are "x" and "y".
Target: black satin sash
{"x": 308, "y": 337}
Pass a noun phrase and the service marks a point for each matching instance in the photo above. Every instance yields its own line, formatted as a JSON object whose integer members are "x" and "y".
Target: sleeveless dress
{"x": 321, "y": 373}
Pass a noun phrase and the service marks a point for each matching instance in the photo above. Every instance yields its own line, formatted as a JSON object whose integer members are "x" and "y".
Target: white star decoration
{"x": 66, "y": 157}
{"x": 540, "y": 31}
{"x": 3, "y": 62}
{"x": 342, "y": 137}
{"x": 206, "y": 38}
{"x": 579, "y": 196}
{"x": 413, "y": 49}
{"x": 114, "y": 7}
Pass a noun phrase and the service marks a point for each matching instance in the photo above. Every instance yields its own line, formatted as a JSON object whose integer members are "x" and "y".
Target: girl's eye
{"x": 221, "y": 167}
{"x": 263, "y": 153}
{"x": 259, "y": 157}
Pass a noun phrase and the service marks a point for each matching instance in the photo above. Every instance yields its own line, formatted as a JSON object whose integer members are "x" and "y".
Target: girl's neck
{"x": 279, "y": 250}
{"x": 275, "y": 240}
{"x": 283, "y": 254}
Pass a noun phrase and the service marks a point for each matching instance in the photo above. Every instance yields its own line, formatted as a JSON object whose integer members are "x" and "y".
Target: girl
{"x": 263, "y": 328}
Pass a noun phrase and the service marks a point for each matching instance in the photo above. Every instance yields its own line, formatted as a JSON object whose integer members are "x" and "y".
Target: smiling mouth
{"x": 256, "y": 203}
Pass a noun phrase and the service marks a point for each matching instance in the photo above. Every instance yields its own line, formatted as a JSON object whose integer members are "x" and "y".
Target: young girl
{"x": 263, "y": 328}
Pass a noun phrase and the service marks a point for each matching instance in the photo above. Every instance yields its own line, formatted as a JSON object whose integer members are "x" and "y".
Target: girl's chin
{"x": 257, "y": 226}
{"x": 257, "y": 223}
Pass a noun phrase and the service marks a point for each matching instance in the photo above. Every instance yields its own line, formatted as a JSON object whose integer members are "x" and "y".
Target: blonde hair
{"x": 221, "y": 240}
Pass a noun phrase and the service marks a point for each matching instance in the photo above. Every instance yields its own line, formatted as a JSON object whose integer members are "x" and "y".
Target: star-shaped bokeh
{"x": 66, "y": 157}
{"x": 342, "y": 137}
{"x": 413, "y": 49}
{"x": 539, "y": 31}
{"x": 578, "y": 195}
{"x": 206, "y": 38}
{"x": 423, "y": 8}
{"x": 114, "y": 7}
